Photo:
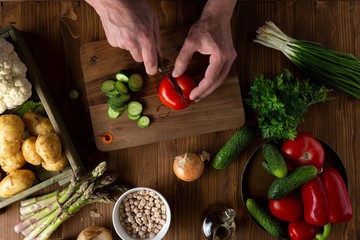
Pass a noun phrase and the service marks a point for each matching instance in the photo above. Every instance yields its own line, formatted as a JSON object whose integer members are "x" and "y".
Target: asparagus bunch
{"x": 41, "y": 216}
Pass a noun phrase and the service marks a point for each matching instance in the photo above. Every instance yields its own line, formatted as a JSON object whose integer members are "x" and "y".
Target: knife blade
{"x": 171, "y": 79}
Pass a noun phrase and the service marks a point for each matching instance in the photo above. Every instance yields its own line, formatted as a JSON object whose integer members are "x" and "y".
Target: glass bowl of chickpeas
{"x": 141, "y": 213}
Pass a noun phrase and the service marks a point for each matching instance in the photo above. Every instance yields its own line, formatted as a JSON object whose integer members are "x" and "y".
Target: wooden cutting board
{"x": 221, "y": 110}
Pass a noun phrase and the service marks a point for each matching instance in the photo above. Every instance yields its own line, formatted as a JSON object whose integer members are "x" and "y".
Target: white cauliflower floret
{"x": 15, "y": 89}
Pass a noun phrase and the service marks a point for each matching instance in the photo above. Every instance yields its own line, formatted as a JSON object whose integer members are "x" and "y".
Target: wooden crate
{"x": 44, "y": 178}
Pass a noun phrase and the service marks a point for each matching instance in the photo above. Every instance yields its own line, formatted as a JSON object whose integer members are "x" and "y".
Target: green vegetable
{"x": 267, "y": 168}
{"x": 233, "y": 147}
{"x": 337, "y": 70}
{"x": 297, "y": 177}
{"x": 122, "y": 76}
{"x": 121, "y": 87}
{"x": 29, "y": 105}
{"x": 274, "y": 160}
{"x": 134, "y": 108}
{"x": 74, "y": 94}
{"x": 143, "y": 122}
{"x": 134, "y": 117}
{"x": 282, "y": 102}
{"x": 267, "y": 221}
{"x": 113, "y": 114}
{"x": 325, "y": 234}
{"x": 135, "y": 82}
{"x": 108, "y": 86}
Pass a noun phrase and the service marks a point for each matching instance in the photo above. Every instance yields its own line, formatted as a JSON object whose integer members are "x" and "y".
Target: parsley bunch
{"x": 282, "y": 103}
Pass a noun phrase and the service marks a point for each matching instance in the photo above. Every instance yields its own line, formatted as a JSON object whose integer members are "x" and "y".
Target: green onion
{"x": 337, "y": 70}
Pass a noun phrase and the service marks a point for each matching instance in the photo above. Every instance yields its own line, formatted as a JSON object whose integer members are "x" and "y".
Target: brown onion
{"x": 95, "y": 233}
{"x": 190, "y": 166}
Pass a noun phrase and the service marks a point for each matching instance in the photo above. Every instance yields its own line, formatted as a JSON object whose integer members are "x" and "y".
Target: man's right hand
{"x": 131, "y": 25}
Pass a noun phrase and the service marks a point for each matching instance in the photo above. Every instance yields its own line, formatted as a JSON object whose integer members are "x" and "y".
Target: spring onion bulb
{"x": 337, "y": 70}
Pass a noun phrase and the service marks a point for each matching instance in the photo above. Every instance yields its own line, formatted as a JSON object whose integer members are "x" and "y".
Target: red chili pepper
{"x": 340, "y": 208}
{"x": 304, "y": 150}
{"x": 301, "y": 230}
{"x": 315, "y": 202}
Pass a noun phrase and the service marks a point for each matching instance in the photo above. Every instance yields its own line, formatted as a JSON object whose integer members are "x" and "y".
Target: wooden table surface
{"x": 55, "y": 30}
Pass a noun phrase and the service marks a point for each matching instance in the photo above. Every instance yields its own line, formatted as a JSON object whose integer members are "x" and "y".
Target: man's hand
{"x": 131, "y": 25}
{"x": 210, "y": 35}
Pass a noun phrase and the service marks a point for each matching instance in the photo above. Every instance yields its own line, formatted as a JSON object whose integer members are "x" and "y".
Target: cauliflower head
{"x": 15, "y": 89}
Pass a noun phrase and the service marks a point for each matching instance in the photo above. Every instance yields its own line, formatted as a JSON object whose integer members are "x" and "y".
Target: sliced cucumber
{"x": 135, "y": 82}
{"x": 124, "y": 97}
{"x": 143, "y": 121}
{"x": 117, "y": 109}
{"x": 74, "y": 94}
{"x": 134, "y": 117}
{"x": 134, "y": 108}
{"x": 121, "y": 87}
{"x": 112, "y": 114}
{"x": 115, "y": 103}
{"x": 122, "y": 76}
{"x": 113, "y": 94}
{"x": 108, "y": 85}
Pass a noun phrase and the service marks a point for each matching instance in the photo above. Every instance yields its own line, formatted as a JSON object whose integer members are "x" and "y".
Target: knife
{"x": 171, "y": 79}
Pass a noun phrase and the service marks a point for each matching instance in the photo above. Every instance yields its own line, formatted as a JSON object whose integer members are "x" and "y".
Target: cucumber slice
{"x": 134, "y": 108}
{"x": 117, "y": 109}
{"x": 143, "y": 122}
{"x": 122, "y": 76}
{"x": 134, "y": 117}
{"x": 135, "y": 82}
{"x": 74, "y": 94}
{"x": 113, "y": 94}
{"x": 108, "y": 85}
{"x": 121, "y": 87}
{"x": 115, "y": 103}
{"x": 112, "y": 114}
{"x": 124, "y": 97}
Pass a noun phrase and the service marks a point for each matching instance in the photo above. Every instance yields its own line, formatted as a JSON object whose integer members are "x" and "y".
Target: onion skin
{"x": 95, "y": 233}
{"x": 188, "y": 167}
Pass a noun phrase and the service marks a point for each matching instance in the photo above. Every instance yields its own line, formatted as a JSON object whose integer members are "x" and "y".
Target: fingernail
{"x": 175, "y": 72}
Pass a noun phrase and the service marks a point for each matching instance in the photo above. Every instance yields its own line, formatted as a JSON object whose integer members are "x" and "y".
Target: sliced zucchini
{"x": 135, "y": 82}
{"x": 122, "y": 76}
{"x": 121, "y": 87}
{"x": 124, "y": 97}
{"x": 117, "y": 109}
{"x": 108, "y": 85}
{"x": 112, "y": 114}
{"x": 115, "y": 103}
{"x": 134, "y": 108}
{"x": 143, "y": 121}
{"x": 134, "y": 117}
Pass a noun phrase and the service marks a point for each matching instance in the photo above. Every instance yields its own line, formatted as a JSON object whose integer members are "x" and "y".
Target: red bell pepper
{"x": 304, "y": 150}
{"x": 301, "y": 230}
{"x": 340, "y": 208}
{"x": 315, "y": 202}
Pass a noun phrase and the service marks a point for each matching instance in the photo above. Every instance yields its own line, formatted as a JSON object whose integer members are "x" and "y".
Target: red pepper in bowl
{"x": 304, "y": 150}
{"x": 340, "y": 209}
{"x": 315, "y": 202}
{"x": 301, "y": 230}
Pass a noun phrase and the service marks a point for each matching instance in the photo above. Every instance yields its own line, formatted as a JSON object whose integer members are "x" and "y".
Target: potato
{"x": 29, "y": 152}
{"x": 37, "y": 124}
{"x": 13, "y": 163}
{"x": 48, "y": 147}
{"x": 58, "y": 166}
{"x": 11, "y": 133}
{"x": 16, "y": 182}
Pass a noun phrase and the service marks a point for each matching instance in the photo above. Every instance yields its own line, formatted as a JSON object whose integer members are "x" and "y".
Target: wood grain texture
{"x": 100, "y": 61}
{"x": 332, "y": 23}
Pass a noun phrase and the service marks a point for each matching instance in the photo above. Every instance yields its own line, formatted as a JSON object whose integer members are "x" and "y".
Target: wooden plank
{"x": 100, "y": 62}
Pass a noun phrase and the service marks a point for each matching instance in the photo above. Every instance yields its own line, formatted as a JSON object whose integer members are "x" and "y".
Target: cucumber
{"x": 133, "y": 117}
{"x": 267, "y": 168}
{"x": 114, "y": 102}
{"x": 267, "y": 221}
{"x": 297, "y": 177}
{"x": 134, "y": 108}
{"x": 124, "y": 97}
{"x": 274, "y": 160}
{"x": 121, "y": 87}
{"x": 108, "y": 85}
{"x": 113, "y": 93}
{"x": 122, "y": 76}
{"x": 135, "y": 82}
{"x": 117, "y": 109}
{"x": 112, "y": 114}
{"x": 233, "y": 147}
{"x": 143, "y": 122}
